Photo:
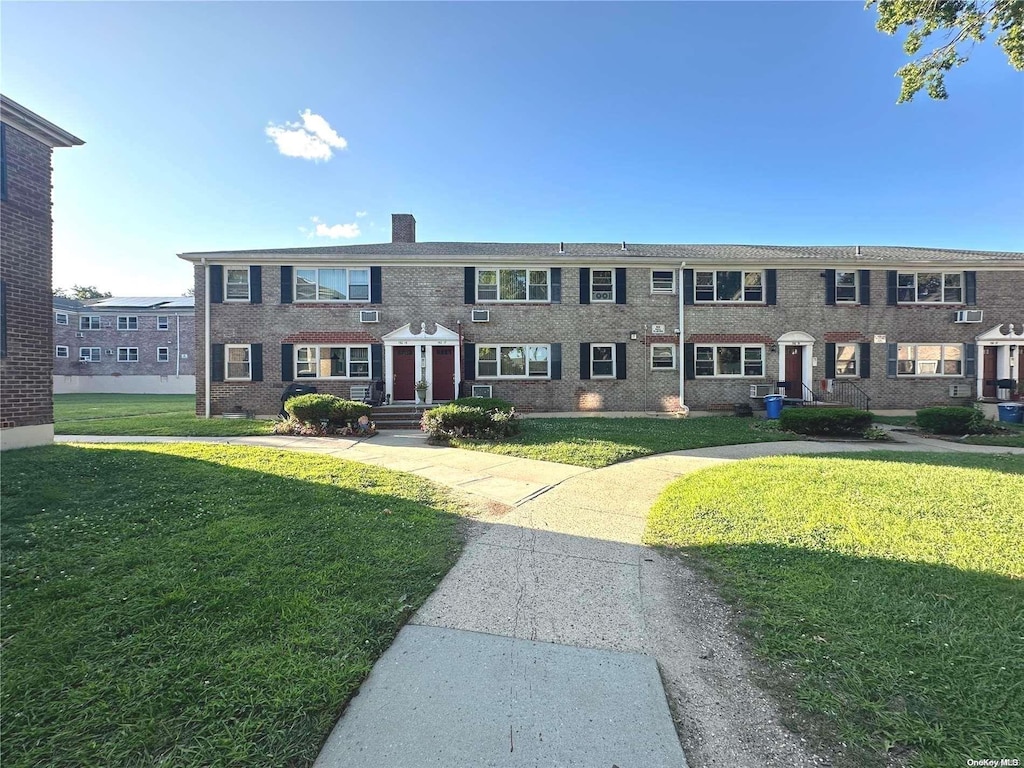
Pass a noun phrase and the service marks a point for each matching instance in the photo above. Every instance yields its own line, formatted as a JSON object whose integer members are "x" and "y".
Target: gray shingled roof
{"x": 144, "y": 302}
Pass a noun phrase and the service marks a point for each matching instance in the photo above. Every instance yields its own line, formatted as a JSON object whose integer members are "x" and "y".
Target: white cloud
{"x": 361, "y": 214}
{"x": 312, "y": 139}
{"x": 346, "y": 231}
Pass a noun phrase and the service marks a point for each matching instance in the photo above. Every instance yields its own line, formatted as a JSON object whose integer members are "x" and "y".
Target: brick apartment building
{"x": 614, "y": 327}
{"x": 26, "y": 266}
{"x": 131, "y": 345}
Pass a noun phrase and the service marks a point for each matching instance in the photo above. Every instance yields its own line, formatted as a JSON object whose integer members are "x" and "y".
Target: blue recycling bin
{"x": 773, "y": 405}
{"x": 1011, "y": 413}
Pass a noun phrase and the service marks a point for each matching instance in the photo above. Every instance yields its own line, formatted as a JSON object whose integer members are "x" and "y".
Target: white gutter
{"x": 207, "y": 348}
{"x": 177, "y": 346}
{"x": 682, "y": 335}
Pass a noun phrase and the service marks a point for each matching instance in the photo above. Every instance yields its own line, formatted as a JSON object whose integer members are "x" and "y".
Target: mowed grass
{"x": 598, "y": 442}
{"x": 883, "y": 588}
{"x": 196, "y": 605}
{"x": 132, "y": 415}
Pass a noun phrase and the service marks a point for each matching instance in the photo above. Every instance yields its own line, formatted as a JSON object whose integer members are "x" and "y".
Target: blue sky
{"x": 692, "y": 122}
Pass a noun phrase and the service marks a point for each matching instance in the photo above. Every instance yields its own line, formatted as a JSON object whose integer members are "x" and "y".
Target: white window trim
{"x": 167, "y": 322}
{"x": 58, "y": 348}
{"x": 672, "y": 272}
{"x": 856, "y": 361}
{"x": 675, "y": 357}
{"x": 86, "y": 321}
{"x": 90, "y": 359}
{"x": 602, "y": 375}
{"x": 499, "y": 300}
{"x": 348, "y": 285}
{"x": 939, "y": 374}
{"x": 593, "y": 299}
{"x": 743, "y": 282}
{"x": 127, "y": 324}
{"x": 227, "y": 362}
{"x": 714, "y": 360}
{"x": 915, "y": 300}
{"x": 497, "y": 362}
{"x": 348, "y": 362}
{"x": 127, "y": 354}
{"x": 59, "y": 315}
{"x": 248, "y": 287}
{"x": 167, "y": 354}
{"x": 856, "y": 286}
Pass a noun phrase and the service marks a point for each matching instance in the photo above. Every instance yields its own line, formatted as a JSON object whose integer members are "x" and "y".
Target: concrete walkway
{"x": 543, "y": 645}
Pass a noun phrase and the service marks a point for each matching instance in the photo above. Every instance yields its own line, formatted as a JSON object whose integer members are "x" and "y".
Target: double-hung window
{"x": 89, "y": 323}
{"x": 729, "y": 286}
{"x": 127, "y": 354}
{"x": 163, "y": 322}
{"x": 663, "y": 281}
{"x": 602, "y": 285}
{"x": 846, "y": 287}
{"x": 163, "y": 354}
{"x": 127, "y": 322}
{"x": 513, "y": 361}
{"x": 602, "y": 361}
{"x": 930, "y": 287}
{"x": 236, "y": 283}
{"x": 61, "y": 318}
{"x": 89, "y": 354}
{"x": 513, "y": 284}
{"x": 929, "y": 360}
{"x": 237, "y": 362}
{"x": 332, "y": 362}
{"x": 663, "y": 356}
{"x": 350, "y": 284}
{"x": 61, "y": 351}
{"x": 847, "y": 359}
{"x": 725, "y": 361}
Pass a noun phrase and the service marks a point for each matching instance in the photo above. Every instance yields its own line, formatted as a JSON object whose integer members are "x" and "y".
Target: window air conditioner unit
{"x": 970, "y": 316}
{"x": 369, "y": 316}
{"x": 79, "y": 335}
{"x": 481, "y": 316}
{"x": 761, "y": 390}
{"x": 657, "y": 329}
{"x": 481, "y": 390}
{"x": 960, "y": 390}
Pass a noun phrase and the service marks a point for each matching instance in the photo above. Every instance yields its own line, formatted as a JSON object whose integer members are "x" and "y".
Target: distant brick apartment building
{"x": 613, "y": 327}
{"x": 131, "y": 345}
{"x": 26, "y": 266}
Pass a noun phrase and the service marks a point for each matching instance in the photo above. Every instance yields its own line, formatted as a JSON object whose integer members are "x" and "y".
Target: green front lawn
{"x": 201, "y": 605}
{"x": 883, "y": 588}
{"x": 598, "y": 442}
{"x": 165, "y": 415}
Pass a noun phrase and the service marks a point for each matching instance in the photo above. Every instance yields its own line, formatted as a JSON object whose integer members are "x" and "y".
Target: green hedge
{"x": 826, "y": 422}
{"x": 317, "y": 408}
{"x": 453, "y": 420}
{"x": 952, "y": 420}
{"x": 487, "y": 403}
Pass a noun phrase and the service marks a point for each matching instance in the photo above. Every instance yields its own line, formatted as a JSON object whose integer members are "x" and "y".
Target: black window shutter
{"x": 769, "y": 287}
{"x": 865, "y": 287}
{"x": 970, "y": 359}
{"x": 469, "y": 361}
{"x": 865, "y": 360}
{"x": 584, "y": 285}
{"x": 256, "y": 361}
{"x": 689, "y": 368}
{"x": 255, "y": 285}
{"x": 556, "y": 361}
{"x": 890, "y": 288}
{"x": 620, "y": 285}
{"x": 584, "y": 361}
{"x": 970, "y": 288}
{"x": 216, "y": 362}
{"x": 377, "y": 361}
{"x": 830, "y": 359}
{"x": 287, "y": 361}
{"x": 286, "y": 287}
{"x": 620, "y": 360}
{"x": 687, "y": 286}
{"x": 469, "y": 287}
{"x": 890, "y": 360}
{"x": 3, "y": 316}
{"x": 216, "y": 284}
{"x": 830, "y": 287}
{"x": 556, "y": 285}
{"x": 375, "y": 285}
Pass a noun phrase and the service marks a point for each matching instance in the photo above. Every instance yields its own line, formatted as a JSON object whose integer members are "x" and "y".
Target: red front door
{"x": 794, "y": 372}
{"x": 444, "y": 373}
{"x": 988, "y": 372}
{"x": 404, "y": 384}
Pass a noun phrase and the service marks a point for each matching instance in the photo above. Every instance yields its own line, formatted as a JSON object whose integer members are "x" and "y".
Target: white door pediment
{"x": 406, "y": 335}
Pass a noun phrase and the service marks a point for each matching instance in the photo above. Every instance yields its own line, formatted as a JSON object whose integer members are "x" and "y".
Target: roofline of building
{"x": 39, "y": 128}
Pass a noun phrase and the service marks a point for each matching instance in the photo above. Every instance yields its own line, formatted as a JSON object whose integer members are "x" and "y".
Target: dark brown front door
{"x": 988, "y": 372}
{"x": 444, "y": 373}
{"x": 405, "y": 373}
{"x": 794, "y": 372}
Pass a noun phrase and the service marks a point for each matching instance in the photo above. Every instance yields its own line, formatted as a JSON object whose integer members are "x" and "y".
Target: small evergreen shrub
{"x": 453, "y": 420}
{"x": 317, "y": 408}
{"x": 348, "y": 411}
{"x": 826, "y": 422}
{"x": 487, "y": 403}
{"x": 952, "y": 420}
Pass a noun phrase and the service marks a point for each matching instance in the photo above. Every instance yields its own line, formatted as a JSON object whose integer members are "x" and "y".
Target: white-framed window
{"x": 663, "y": 281}
{"x": 847, "y": 360}
{"x": 929, "y": 360}
{"x": 602, "y": 361}
{"x": 127, "y": 322}
{"x": 513, "y": 361}
{"x": 351, "y": 284}
{"x": 89, "y": 323}
{"x": 746, "y": 360}
{"x": 335, "y": 362}
{"x": 89, "y": 354}
{"x": 61, "y": 351}
{"x": 602, "y": 285}
{"x": 237, "y": 362}
{"x": 236, "y": 283}
{"x": 846, "y": 287}
{"x": 729, "y": 286}
{"x": 513, "y": 284}
{"x": 163, "y": 354}
{"x": 127, "y": 354}
{"x": 930, "y": 287}
{"x": 163, "y": 322}
{"x": 61, "y": 318}
{"x": 663, "y": 356}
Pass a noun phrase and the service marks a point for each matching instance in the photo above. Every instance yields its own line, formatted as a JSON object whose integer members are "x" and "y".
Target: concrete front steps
{"x": 399, "y": 415}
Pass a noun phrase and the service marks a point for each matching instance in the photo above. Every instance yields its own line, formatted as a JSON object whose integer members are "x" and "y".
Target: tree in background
{"x": 81, "y": 292}
{"x": 964, "y": 22}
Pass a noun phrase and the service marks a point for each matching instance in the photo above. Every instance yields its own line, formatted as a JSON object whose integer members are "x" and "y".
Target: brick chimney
{"x": 403, "y": 228}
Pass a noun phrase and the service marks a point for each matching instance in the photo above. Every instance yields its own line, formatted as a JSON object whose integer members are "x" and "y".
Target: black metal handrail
{"x": 842, "y": 391}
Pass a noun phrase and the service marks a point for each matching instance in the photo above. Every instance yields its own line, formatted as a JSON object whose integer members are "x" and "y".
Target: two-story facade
{"x": 131, "y": 345}
{"x": 607, "y": 327}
